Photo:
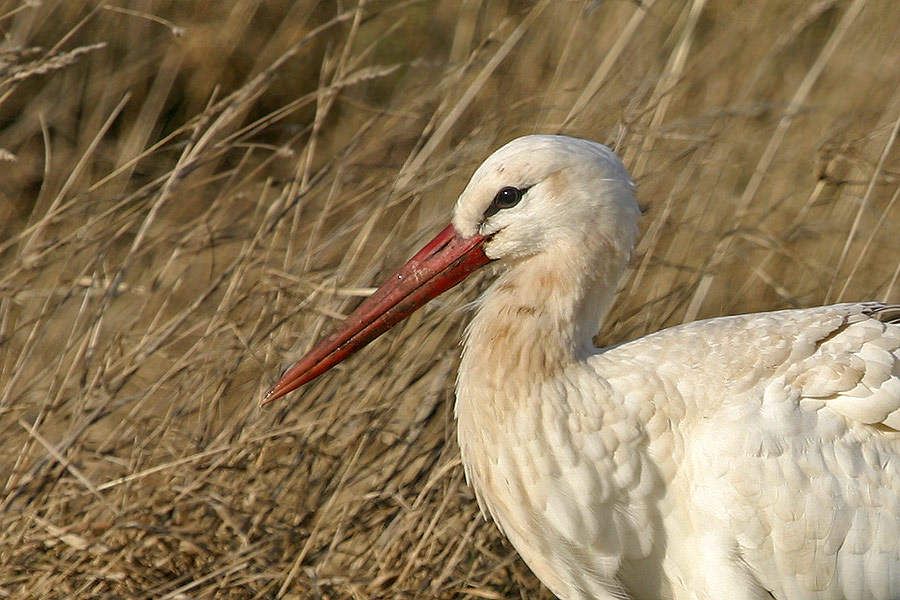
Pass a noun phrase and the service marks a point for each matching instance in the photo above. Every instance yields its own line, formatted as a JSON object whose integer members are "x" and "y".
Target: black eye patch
{"x": 505, "y": 198}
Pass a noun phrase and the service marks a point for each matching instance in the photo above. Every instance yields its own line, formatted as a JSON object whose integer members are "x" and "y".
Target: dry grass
{"x": 191, "y": 192}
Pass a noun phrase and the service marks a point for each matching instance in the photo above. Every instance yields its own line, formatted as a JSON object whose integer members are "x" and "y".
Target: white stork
{"x": 744, "y": 457}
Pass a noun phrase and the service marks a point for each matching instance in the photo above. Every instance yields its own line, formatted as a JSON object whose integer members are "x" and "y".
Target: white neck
{"x": 536, "y": 319}
{"x": 534, "y": 323}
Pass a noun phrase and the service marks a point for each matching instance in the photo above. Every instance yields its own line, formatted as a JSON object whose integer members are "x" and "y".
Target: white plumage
{"x": 745, "y": 457}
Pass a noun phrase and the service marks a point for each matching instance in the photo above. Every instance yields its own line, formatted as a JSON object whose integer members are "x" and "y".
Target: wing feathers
{"x": 856, "y": 368}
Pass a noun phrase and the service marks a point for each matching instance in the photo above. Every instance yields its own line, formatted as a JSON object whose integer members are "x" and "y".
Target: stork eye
{"x": 505, "y": 198}
{"x": 508, "y": 197}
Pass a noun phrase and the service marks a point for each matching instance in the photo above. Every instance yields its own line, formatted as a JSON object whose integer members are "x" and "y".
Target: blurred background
{"x": 192, "y": 192}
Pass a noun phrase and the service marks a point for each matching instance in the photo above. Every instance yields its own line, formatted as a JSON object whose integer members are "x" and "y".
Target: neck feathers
{"x": 539, "y": 317}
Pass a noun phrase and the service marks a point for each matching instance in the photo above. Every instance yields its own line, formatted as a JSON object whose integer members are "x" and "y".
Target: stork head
{"x": 543, "y": 192}
{"x": 537, "y": 195}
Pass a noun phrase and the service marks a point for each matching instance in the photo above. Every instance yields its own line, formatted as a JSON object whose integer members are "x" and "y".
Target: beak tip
{"x": 270, "y": 396}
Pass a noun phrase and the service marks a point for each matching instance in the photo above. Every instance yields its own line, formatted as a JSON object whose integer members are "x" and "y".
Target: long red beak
{"x": 442, "y": 263}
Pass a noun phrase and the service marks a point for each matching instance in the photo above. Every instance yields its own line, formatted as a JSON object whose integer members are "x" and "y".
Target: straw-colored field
{"x": 191, "y": 192}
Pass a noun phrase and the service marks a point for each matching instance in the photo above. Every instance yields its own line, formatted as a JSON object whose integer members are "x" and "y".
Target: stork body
{"x": 746, "y": 457}
{"x": 676, "y": 467}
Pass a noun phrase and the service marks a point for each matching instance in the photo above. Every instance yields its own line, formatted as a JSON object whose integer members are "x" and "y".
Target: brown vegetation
{"x": 193, "y": 191}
